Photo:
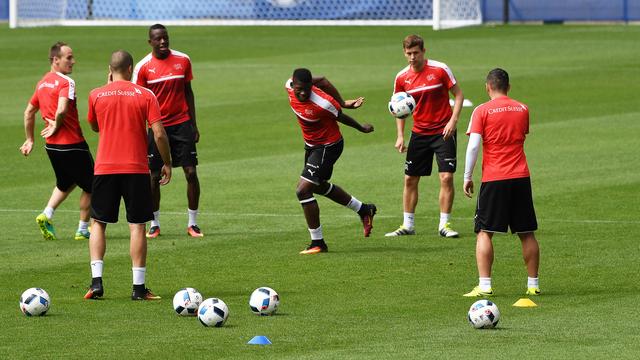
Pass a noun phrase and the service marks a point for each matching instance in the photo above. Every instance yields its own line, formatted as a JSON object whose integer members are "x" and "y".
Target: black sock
{"x": 139, "y": 289}
{"x": 364, "y": 209}
{"x": 319, "y": 243}
{"x": 96, "y": 282}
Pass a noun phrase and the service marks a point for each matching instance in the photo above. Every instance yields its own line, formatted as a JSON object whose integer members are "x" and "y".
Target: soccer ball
{"x": 484, "y": 314}
{"x": 186, "y": 301}
{"x": 213, "y": 312}
{"x": 34, "y": 302}
{"x": 401, "y": 105}
{"x": 264, "y": 301}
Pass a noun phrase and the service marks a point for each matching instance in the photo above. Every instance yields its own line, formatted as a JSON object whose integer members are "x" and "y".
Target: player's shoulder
{"x": 141, "y": 90}
{"x": 144, "y": 61}
{"x": 403, "y": 72}
{"x": 288, "y": 84}
{"x": 437, "y": 64}
{"x": 520, "y": 104}
{"x": 180, "y": 54}
{"x": 65, "y": 78}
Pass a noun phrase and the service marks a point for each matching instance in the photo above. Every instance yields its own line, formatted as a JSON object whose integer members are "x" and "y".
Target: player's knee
{"x": 411, "y": 181}
{"x": 324, "y": 189}
{"x": 191, "y": 174}
{"x": 446, "y": 178}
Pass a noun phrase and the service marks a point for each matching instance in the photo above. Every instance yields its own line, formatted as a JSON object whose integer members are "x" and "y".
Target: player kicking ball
{"x": 318, "y": 108}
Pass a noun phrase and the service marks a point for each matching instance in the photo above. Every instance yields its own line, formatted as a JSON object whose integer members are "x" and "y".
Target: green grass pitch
{"x": 367, "y": 298}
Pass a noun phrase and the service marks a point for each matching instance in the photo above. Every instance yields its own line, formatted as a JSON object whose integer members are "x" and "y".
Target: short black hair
{"x": 498, "y": 79}
{"x": 156, "y": 27}
{"x": 302, "y": 75}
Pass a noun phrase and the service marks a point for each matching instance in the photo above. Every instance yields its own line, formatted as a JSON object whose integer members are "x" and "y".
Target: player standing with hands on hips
{"x": 55, "y": 97}
{"x": 121, "y": 112}
{"x": 318, "y": 108}
{"x": 505, "y": 199}
{"x": 433, "y": 132}
{"x": 167, "y": 73}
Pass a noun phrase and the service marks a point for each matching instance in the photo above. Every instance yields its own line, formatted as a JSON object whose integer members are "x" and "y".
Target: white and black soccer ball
{"x": 186, "y": 301}
{"x": 264, "y": 301}
{"x": 35, "y": 302}
{"x": 401, "y": 105}
{"x": 484, "y": 314}
{"x": 213, "y": 312}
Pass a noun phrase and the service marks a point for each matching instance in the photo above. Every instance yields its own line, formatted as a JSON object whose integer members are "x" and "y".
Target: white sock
{"x": 408, "y": 221}
{"x": 444, "y": 218}
{"x": 48, "y": 212}
{"x": 316, "y": 234}
{"x": 83, "y": 225}
{"x": 156, "y": 219}
{"x": 138, "y": 275}
{"x": 96, "y": 268}
{"x": 354, "y": 204}
{"x": 485, "y": 283}
{"x": 193, "y": 214}
{"x": 532, "y": 282}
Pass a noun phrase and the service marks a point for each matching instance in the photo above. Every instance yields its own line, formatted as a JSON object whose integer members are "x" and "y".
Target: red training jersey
{"x": 50, "y": 88}
{"x": 122, "y": 111}
{"x": 316, "y": 116}
{"x": 167, "y": 79}
{"x": 503, "y": 124}
{"x": 430, "y": 88}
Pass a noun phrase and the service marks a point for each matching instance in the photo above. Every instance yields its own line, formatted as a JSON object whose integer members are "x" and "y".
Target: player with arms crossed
{"x": 55, "y": 97}
{"x": 505, "y": 199}
{"x": 434, "y": 131}
{"x": 121, "y": 112}
{"x": 167, "y": 73}
{"x": 318, "y": 108}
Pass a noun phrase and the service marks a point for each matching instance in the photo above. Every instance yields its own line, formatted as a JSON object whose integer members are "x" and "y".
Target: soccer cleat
{"x": 194, "y": 231}
{"x": 153, "y": 232}
{"x": 367, "y": 218}
{"x": 401, "y": 231}
{"x": 477, "y": 292}
{"x": 533, "y": 291}
{"x": 448, "y": 232}
{"x": 95, "y": 292}
{"x": 46, "y": 227}
{"x": 144, "y": 295}
{"x": 312, "y": 250}
{"x": 82, "y": 235}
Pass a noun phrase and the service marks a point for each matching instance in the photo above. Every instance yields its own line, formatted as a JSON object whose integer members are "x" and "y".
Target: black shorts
{"x": 319, "y": 161}
{"x": 419, "y": 160}
{"x": 506, "y": 204}
{"x": 72, "y": 164}
{"x": 183, "y": 146}
{"x": 135, "y": 189}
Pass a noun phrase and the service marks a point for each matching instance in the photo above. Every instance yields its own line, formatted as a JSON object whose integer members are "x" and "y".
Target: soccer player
{"x": 55, "y": 97}
{"x": 434, "y": 132}
{"x": 505, "y": 199}
{"x": 167, "y": 73}
{"x": 318, "y": 108}
{"x": 121, "y": 112}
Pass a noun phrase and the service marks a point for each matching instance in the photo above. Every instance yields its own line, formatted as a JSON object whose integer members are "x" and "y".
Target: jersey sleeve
{"x": 398, "y": 85}
{"x": 447, "y": 77}
{"x": 153, "y": 109}
{"x": 139, "y": 76}
{"x": 91, "y": 113}
{"x": 476, "y": 124}
{"x": 68, "y": 90}
{"x": 34, "y": 99}
{"x": 188, "y": 74}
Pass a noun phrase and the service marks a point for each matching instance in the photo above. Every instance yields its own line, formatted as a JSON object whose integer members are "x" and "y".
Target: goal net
{"x": 437, "y": 13}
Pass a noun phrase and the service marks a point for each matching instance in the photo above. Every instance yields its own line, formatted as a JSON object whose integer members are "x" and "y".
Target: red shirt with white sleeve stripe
{"x": 122, "y": 111}
{"x": 50, "y": 88}
{"x": 167, "y": 79}
{"x": 316, "y": 116}
{"x": 430, "y": 88}
{"x": 503, "y": 124}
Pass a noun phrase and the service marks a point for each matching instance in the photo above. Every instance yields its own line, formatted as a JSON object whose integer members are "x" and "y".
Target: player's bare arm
{"x": 54, "y": 124}
{"x": 191, "y": 103}
{"x": 450, "y": 128}
{"x": 29, "y": 123}
{"x": 349, "y": 121}
{"x": 400, "y": 136}
{"x": 325, "y": 85}
{"x": 473, "y": 147}
{"x": 162, "y": 141}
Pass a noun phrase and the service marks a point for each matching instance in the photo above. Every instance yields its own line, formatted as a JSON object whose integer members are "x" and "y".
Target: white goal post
{"x": 441, "y": 14}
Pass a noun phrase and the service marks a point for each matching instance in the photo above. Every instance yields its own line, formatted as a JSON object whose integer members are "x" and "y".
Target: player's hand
{"x": 366, "y": 128}
{"x": 400, "y": 145}
{"x": 353, "y": 104}
{"x": 50, "y": 129}
{"x": 468, "y": 188}
{"x": 449, "y": 130}
{"x": 26, "y": 148}
{"x": 165, "y": 174}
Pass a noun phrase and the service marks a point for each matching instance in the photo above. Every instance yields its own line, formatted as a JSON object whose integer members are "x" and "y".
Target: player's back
{"x": 122, "y": 111}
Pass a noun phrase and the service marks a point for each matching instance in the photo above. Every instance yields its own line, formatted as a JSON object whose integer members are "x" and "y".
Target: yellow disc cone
{"x": 525, "y": 303}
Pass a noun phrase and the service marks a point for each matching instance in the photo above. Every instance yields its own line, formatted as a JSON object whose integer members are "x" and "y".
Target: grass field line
{"x": 572, "y": 221}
